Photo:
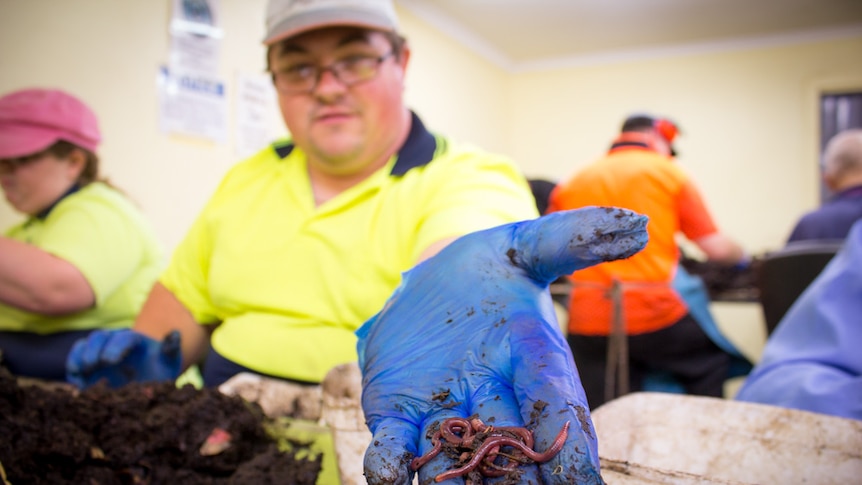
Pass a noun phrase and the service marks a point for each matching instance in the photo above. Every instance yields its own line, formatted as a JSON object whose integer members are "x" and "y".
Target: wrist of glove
{"x": 119, "y": 357}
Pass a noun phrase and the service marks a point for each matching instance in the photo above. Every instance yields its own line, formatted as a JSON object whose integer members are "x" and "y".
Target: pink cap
{"x": 31, "y": 120}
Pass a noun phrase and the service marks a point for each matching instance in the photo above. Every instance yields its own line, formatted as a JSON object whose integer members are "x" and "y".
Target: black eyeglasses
{"x": 302, "y": 78}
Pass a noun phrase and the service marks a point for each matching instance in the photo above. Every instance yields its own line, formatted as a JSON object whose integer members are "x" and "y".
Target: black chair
{"x": 541, "y": 189}
{"x": 781, "y": 276}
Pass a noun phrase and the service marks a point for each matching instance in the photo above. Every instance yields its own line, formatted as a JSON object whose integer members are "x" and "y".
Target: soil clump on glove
{"x": 141, "y": 434}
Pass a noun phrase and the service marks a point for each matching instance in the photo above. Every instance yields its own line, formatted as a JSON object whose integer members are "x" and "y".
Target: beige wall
{"x": 454, "y": 90}
{"x": 749, "y": 121}
{"x": 108, "y": 53}
{"x": 749, "y": 116}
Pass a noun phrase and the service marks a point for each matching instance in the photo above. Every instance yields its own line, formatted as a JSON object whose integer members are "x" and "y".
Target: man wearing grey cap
{"x": 307, "y": 239}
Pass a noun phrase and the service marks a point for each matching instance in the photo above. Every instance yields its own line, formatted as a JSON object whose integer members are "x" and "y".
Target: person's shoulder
{"x": 814, "y": 224}
{"x": 279, "y": 150}
{"x": 98, "y": 194}
{"x": 100, "y": 204}
{"x": 264, "y": 160}
{"x": 453, "y": 154}
{"x": 636, "y": 161}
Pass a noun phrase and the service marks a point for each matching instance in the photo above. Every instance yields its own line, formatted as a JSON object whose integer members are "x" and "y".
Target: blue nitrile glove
{"x": 473, "y": 331}
{"x": 123, "y": 356}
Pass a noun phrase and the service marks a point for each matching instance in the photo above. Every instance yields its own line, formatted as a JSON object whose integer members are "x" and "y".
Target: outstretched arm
{"x": 163, "y": 313}
{"x": 472, "y": 332}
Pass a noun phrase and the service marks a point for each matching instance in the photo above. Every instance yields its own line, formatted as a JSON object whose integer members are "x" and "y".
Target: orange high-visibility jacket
{"x": 650, "y": 183}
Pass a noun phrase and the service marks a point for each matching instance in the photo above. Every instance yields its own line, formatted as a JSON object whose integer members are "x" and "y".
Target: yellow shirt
{"x": 106, "y": 237}
{"x": 291, "y": 282}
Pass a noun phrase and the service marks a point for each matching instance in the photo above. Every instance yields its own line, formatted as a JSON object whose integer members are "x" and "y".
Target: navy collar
{"x": 418, "y": 149}
{"x": 44, "y": 212}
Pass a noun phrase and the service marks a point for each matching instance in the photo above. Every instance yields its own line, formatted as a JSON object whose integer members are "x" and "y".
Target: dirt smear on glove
{"x": 141, "y": 434}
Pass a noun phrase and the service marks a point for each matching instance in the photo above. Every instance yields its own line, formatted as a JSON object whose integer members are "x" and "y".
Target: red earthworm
{"x": 478, "y": 425}
{"x": 496, "y": 441}
{"x": 525, "y": 434}
{"x": 447, "y": 430}
{"x": 490, "y": 469}
{"x": 417, "y": 462}
{"x": 552, "y": 450}
{"x": 478, "y": 456}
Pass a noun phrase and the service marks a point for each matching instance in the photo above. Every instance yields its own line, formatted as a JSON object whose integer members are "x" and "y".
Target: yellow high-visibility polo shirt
{"x": 291, "y": 282}
{"x": 107, "y": 238}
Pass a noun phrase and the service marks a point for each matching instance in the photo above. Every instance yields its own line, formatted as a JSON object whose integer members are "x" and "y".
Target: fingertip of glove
{"x": 380, "y": 470}
{"x": 388, "y": 457}
{"x": 74, "y": 364}
{"x": 85, "y": 353}
{"x": 73, "y": 358}
{"x": 171, "y": 343}
{"x": 117, "y": 344}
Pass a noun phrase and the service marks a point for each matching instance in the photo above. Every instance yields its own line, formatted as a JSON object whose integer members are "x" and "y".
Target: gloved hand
{"x": 743, "y": 264}
{"x": 473, "y": 331}
{"x": 123, "y": 356}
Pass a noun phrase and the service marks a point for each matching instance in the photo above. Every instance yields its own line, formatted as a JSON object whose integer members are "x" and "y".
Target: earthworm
{"x": 497, "y": 441}
{"x": 521, "y": 439}
{"x": 525, "y": 434}
{"x": 417, "y": 462}
{"x": 478, "y": 456}
{"x": 447, "y": 430}
{"x": 552, "y": 450}
{"x": 490, "y": 469}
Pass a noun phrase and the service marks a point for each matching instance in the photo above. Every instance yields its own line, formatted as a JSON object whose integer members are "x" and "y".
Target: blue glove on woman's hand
{"x": 473, "y": 331}
{"x": 123, "y": 356}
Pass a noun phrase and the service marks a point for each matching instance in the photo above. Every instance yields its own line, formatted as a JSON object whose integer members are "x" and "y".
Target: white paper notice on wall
{"x": 200, "y": 17}
{"x": 195, "y": 36}
{"x": 257, "y": 119}
{"x": 191, "y": 52}
{"x": 192, "y": 104}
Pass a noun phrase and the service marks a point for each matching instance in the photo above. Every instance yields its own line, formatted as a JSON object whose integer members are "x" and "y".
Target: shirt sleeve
{"x": 187, "y": 274}
{"x": 695, "y": 219}
{"x": 100, "y": 240}
{"x": 474, "y": 191}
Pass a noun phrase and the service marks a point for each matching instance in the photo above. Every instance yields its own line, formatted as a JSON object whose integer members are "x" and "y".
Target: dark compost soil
{"x": 140, "y": 434}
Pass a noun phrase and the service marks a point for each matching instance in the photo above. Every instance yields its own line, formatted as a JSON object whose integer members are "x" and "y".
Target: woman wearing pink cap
{"x": 84, "y": 257}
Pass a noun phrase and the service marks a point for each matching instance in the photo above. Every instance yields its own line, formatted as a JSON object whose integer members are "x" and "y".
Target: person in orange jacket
{"x": 663, "y": 333}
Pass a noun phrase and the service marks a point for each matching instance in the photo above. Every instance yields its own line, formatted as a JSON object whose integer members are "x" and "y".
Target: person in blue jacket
{"x": 842, "y": 175}
{"x": 812, "y": 360}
